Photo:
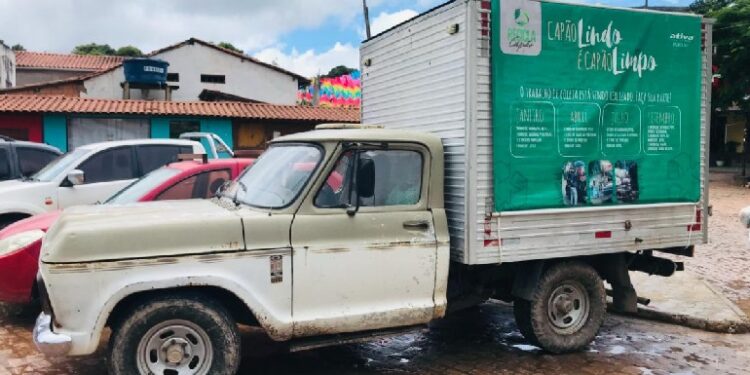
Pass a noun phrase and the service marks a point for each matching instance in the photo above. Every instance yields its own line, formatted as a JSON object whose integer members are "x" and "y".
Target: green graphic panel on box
{"x": 594, "y": 106}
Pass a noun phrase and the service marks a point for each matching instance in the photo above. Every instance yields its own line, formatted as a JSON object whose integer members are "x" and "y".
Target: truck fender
{"x": 526, "y": 278}
{"x": 276, "y": 329}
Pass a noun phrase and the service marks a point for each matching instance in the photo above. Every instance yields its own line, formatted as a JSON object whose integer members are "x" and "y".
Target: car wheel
{"x": 176, "y": 336}
{"x": 567, "y": 308}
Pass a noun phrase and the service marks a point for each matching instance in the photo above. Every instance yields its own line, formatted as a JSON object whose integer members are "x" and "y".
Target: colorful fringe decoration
{"x": 341, "y": 91}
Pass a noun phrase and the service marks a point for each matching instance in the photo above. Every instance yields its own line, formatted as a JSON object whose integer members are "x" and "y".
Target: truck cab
{"x": 335, "y": 231}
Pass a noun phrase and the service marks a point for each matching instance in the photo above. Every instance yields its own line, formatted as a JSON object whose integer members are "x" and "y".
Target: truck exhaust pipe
{"x": 654, "y": 265}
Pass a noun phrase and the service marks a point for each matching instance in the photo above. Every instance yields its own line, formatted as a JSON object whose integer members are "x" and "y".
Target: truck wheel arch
{"x": 236, "y": 306}
{"x": 242, "y": 310}
{"x": 11, "y": 217}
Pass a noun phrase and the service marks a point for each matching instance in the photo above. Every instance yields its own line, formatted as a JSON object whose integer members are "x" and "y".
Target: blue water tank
{"x": 149, "y": 71}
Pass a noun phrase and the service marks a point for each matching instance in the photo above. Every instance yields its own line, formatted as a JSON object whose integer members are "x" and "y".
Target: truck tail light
{"x": 603, "y": 234}
{"x": 697, "y": 226}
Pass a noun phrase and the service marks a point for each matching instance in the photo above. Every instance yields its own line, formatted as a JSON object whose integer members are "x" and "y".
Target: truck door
{"x": 369, "y": 261}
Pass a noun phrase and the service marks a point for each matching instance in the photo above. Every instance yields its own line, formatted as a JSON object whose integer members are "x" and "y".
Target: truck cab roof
{"x": 346, "y": 132}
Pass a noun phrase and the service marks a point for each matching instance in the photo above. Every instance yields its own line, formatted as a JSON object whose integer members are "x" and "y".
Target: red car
{"x": 21, "y": 242}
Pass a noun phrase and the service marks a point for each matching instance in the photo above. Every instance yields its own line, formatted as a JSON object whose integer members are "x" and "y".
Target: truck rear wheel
{"x": 176, "y": 336}
{"x": 566, "y": 310}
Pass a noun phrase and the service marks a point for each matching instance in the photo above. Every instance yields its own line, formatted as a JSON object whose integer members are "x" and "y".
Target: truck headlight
{"x": 19, "y": 241}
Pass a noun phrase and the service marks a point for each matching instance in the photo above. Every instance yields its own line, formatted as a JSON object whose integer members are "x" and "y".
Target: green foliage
{"x": 229, "y": 46}
{"x": 732, "y": 41}
{"x": 705, "y": 7}
{"x": 94, "y": 49}
{"x": 129, "y": 51}
{"x": 732, "y": 46}
{"x": 340, "y": 70}
{"x": 18, "y": 47}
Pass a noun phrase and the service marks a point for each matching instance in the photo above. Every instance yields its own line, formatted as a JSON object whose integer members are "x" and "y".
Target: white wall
{"x": 7, "y": 67}
{"x": 243, "y": 78}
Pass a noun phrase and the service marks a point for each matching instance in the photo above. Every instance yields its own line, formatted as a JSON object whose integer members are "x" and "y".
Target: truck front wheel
{"x": 171, "y": 336}
{"x": 566, "y": 310}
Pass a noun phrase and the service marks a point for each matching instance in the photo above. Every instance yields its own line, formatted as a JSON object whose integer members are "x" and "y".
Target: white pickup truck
{"x": 349, "y": 233}
{"x": 86, "y": 175}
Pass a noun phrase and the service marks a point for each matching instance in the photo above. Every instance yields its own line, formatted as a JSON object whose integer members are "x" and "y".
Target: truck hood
{"x": 142, "y": 230}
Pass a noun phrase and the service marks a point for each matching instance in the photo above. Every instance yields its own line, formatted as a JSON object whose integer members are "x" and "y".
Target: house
{"x": 195, "y": 67}
{"x": 42, "y": 67}
{"x": 7, "y": 66}
{"x": 66, "y": 122}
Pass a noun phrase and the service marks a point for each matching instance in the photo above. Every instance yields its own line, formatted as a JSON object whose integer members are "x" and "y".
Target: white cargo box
{"x": 432, "y": 74}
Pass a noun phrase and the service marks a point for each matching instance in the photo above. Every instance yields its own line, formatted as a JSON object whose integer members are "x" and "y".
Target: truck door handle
{"x": 417, "y": 224}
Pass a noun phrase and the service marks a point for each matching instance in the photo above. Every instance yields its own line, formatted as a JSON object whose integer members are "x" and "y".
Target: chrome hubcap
{"x": 175, "y": 347}
{"x": 568, "y": 308}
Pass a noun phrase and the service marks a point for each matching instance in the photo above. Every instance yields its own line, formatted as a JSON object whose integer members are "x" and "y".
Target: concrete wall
{"x": 243, "y": 78}
{"x": 26, "y": 76}
{"x": 7, "y": 67}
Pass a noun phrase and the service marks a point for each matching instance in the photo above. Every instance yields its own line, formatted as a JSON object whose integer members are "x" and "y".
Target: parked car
{"x": 19, "y": 159}
{"x": 20, "y": 242}
{"x": 87, "y": 175}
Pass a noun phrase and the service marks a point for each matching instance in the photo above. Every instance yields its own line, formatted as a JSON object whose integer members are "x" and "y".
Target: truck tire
{"x": 176, "y": 335}
{"x": 566, "y": 310}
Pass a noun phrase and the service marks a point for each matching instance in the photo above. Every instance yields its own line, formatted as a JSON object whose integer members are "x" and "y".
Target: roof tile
{"x": 259, "y": 111}
{"x": 45, "y": 60}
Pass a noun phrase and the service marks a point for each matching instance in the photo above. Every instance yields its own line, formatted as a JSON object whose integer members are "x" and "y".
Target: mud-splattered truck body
{"x": 349, "y": 233}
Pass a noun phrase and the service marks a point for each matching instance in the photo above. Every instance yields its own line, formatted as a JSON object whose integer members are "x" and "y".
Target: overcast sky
{"x": 305, "y": 36}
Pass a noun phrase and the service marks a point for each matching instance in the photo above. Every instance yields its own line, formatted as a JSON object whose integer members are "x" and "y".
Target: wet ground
{"x": 486, "y": 340}
{"x": 481, "y": 341}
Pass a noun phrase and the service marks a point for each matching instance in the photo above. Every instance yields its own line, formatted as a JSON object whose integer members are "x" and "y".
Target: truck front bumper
{"x": 50, "y": 343}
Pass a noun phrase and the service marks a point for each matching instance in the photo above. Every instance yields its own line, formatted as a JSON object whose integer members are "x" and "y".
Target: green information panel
{"x": 594, "y": 106}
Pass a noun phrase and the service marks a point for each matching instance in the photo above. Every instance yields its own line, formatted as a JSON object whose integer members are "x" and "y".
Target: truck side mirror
{"x": 76, "y": 177}
{"x": 366, "y": 178}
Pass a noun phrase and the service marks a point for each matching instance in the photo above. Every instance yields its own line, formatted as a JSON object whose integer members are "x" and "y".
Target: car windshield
{"x": 59, "y": 165}
{"x": 135, "y": 191}
{"x": 278, "y": 176}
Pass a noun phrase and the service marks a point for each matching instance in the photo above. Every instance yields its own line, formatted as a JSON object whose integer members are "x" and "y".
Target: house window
{"x": 183, "y": 126}
{"x": 213, "y": 78}
{"x": 173, "y": 77}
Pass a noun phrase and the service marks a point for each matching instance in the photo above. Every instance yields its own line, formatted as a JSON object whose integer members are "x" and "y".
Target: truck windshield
{"x": 278, "y": 176}
{"x": 135, "y": 191}
{"x": 59, "y": 165}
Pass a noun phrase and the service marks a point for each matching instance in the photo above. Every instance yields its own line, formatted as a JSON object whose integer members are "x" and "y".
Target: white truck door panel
{"x": 89, "y": 193}
{"x": 370, "y": 271}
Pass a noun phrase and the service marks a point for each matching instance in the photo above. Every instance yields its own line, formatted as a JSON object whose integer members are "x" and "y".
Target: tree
{"x": 229, "y": 46}
{"x": 18, "y": 48}
{"x": 705, "y": 7}
{"x": 94, "y": 49}
{"x": 129, "y": 51}
{"x": 340, "y": 70}
{"x": 732, "y": 41}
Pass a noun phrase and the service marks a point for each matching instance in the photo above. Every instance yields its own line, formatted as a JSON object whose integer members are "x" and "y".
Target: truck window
{"x": 215, "y": 180}
{"x": 31, "y": 160}
{"x": 181, "y": 190}
{"x": 156, "y": 156}
{"x": 398, "y": 180}
{"x": 278, "y": 176}
{"x": 4, "y": 165}
{"x": 335, "y": 192}
{"x": 109, "y": 165}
